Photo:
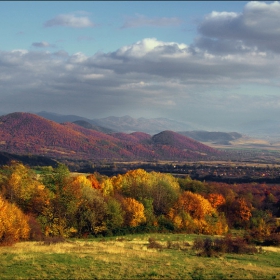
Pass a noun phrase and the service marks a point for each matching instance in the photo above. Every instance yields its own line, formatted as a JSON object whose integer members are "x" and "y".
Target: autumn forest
{"x": 46, "y": 202}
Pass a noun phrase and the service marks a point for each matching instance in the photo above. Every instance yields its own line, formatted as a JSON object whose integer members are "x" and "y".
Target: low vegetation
{"x": 145, "y": 256}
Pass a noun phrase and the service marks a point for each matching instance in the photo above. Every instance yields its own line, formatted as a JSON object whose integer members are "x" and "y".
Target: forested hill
{"x": 25, "y": 133}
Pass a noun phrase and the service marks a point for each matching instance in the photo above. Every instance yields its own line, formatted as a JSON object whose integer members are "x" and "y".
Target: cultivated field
{"x": 130, "y": 257}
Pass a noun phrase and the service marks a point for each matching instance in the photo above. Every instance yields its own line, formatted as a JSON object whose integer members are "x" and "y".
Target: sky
{"x": 213, "y": 64}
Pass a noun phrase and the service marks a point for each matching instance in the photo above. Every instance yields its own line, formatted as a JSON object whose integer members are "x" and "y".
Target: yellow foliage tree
{"x": 13, "y": 223}
{"x": 107, "y": 187}
{"x": 134, "y": 212}
{"x": 21, "y": 186}
{"x": 162, "y": 189}
{"x": 134, "y": 183}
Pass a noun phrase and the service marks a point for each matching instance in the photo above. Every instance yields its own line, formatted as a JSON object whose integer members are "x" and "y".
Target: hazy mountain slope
{"x": 266, "y": 129}
{"x": 61, "y": 118}
{"x": 125, "y": 124}
{"x": 88, "y": 125}
{"x": 217, "y": 137}
{"x": 152, "y": 126}
{"x": 25, "y": 133}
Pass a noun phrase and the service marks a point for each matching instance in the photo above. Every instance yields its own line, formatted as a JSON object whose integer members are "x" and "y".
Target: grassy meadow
{"x": 129, "y": 257}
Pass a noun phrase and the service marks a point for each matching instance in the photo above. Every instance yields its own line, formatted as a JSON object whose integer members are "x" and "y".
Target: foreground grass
{"x": 130, "y": 258}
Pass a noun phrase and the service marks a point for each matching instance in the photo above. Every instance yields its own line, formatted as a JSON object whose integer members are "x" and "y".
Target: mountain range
{"x": 26, "y": 133}
{"x": 261, "y": 129}
{"x": 125, "y": 124}
{"x": 128, "y": 124}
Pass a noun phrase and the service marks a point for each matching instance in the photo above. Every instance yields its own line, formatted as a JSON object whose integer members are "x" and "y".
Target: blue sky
{"x": 212, "y": 64}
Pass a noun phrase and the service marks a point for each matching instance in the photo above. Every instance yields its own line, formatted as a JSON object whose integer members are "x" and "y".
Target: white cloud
{"x": 149, "y": 45}
{"x": 42, "y": 44}
{"x": 258, "y": 26}
{"x": 69, "y": 20}
{"x": 141, "y": 21}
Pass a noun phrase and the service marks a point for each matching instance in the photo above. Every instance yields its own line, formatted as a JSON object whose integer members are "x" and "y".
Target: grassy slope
{"x": 129, "y": 258}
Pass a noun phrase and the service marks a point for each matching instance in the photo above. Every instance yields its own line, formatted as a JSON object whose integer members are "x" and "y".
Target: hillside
{"x": 25, "y": 133}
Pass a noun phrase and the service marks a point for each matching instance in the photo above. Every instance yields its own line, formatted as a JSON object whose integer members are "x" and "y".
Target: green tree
{"x": 115, "y": 214}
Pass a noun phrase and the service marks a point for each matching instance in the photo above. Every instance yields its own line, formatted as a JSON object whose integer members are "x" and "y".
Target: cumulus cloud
{"x": 141, "y": 21}
{"x": 149, "y": 45}
{"x": 256, "y": 27}
{"x": 69, "y": 20}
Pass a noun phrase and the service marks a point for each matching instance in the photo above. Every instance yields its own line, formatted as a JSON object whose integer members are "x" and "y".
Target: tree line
{"x": 52, "y": 201}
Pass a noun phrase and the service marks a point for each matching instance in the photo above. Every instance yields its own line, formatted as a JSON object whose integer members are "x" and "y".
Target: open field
{"x": 129, "y": 257}
{"x": 247, "y": 143}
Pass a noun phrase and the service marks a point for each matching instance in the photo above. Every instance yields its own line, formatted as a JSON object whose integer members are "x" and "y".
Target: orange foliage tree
{"x": 194, "y": 213}
{"x": 216, "y": 199}
{"x": 94, "y": 182}
{"x": 238, "y": 212}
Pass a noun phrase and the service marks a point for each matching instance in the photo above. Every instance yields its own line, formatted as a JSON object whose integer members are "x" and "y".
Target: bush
{"x": 209, "y": 247}
{"x": 238, "y": 245}
{"x": 272, "y": 240}
{"x": 154, "y": 244}
{"x": 48, "y": 240}
{"x": 165, "y": 225}
{"x": 198, "y": 244}
{"x": 269, "y": 239}
{"x": 36, "y": 233}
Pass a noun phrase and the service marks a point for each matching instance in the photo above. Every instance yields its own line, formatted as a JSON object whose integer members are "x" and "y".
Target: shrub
{"x": 198, "y": 244}
{"x": 154, "y": 244}
{"x": 272, "y": 240}
{"x": 48, "y": 240}
{"x": 36, "y": 233}
{"x": 165, "y": 225}
{"x": 209, "y": 247}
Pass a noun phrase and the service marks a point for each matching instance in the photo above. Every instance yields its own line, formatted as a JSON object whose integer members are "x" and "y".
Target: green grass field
{"x": 129, "y": 257}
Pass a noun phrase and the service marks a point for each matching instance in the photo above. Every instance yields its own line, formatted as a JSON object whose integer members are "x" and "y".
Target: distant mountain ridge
{"x": 87, "y": 123}
{"x": 152, "y": 126}
{"x": 125, "y": 124}
{"x": 26, "y": 133}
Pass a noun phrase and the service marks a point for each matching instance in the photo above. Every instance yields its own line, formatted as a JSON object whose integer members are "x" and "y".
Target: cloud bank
{"x": 223, "y": 76}
{"x": 257, "y": 26}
